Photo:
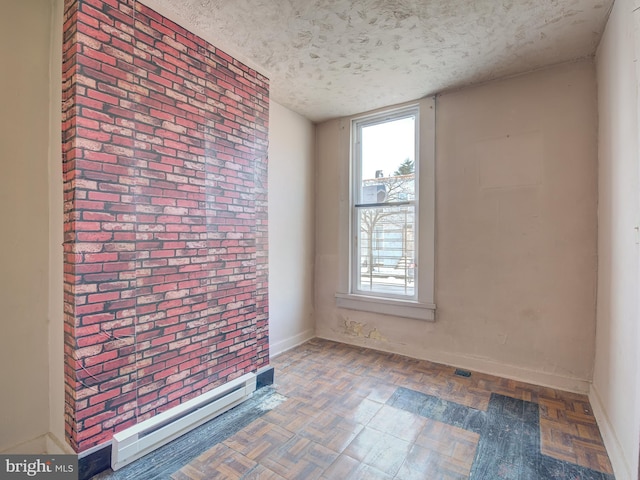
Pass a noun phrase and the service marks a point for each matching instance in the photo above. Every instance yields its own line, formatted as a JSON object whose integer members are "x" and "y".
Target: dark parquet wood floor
{"x": 354, "y": 413}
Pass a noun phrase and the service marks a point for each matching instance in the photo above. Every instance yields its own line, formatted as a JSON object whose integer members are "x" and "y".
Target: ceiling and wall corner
{"x": 332, "y": 58}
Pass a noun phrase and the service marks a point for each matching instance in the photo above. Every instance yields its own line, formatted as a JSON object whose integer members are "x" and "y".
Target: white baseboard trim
{"x": 56, "y": 446}
{"x": 44, "y": 444}
{"x": 287, "y": 344}
{"x": 481, "y": 365}
{"x": 535, "y": 377}
{"x": 35, "y": 446}
{"x": 621, "y": 468}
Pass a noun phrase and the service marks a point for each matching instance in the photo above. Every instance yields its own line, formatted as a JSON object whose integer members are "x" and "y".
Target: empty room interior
{"x": 321, "y": 239}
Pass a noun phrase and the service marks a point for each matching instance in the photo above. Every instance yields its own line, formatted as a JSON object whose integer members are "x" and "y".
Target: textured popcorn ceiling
{"x": 328, "y": 58}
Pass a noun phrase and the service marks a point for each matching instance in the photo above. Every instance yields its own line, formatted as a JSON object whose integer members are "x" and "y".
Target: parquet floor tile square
{"x": 300, "y": 458}
{"x": 332, "y": 431}
{"x": 293, "y": 415}
{"x": 260, "y": 472}
{"x": 448, "y": 440}
{"x": 399, "y": 423}
{"x": 228, "y": 464}
{"x": 382, "y": 451}
{"x": 422, "y": 463}
{"x": 259, "y": 439}
{"x": 346, "y": 467}
{"x": 355, "y": 408}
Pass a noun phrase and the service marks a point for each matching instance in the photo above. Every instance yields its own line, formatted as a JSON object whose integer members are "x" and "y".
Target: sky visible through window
{"x": 386, "y": 145}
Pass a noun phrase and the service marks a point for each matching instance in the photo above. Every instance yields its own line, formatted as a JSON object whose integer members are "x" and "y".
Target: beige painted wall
{"x": 291, "y": 228}
{"x": 55, "y": 441}
{"x": 24, "y": 243}
{"x": 515, "y": 232}
{"x": 615, "y": 394}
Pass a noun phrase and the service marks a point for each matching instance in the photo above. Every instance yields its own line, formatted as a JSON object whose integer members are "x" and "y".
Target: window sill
{"x": 387, "y": 306}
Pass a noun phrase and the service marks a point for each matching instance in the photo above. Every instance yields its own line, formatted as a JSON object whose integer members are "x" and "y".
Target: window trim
{"x": 422, "y": 307}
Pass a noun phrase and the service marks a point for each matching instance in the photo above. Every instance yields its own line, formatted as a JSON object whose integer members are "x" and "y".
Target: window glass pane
{"x": 388, "y": 161}
{"x": 386, "y": 250}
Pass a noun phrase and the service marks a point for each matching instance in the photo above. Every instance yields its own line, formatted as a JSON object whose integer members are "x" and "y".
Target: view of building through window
{"x": 385, "y": 208}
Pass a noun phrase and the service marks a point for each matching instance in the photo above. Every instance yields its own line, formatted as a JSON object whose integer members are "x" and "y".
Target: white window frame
{"x": 356, "y": 186}
{"x": 421, "y": 305}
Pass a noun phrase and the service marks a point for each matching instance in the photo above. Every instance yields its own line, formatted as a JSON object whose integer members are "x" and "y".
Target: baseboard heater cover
{"x": 143, "y": 438}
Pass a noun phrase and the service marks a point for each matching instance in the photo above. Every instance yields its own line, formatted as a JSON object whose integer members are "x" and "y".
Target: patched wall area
{"x": 165, "y": 188}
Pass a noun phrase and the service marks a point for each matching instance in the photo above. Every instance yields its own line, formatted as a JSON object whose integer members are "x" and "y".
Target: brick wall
{"x": 165, "y": 168}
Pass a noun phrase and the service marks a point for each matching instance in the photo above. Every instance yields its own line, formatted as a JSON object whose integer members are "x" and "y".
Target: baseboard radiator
{"x": 143, "y": 438}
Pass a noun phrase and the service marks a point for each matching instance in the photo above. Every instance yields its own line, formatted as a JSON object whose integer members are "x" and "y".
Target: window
{"x": 390, "y": 244}
{"x": 384, "y": 205}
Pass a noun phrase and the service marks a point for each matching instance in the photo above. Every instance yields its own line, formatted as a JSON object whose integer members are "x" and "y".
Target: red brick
{"x": 107, "y": 197}
{"x": 100, "y": 257}
{"x": 103, "y": 297}
{"x": 102, "y": 397}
